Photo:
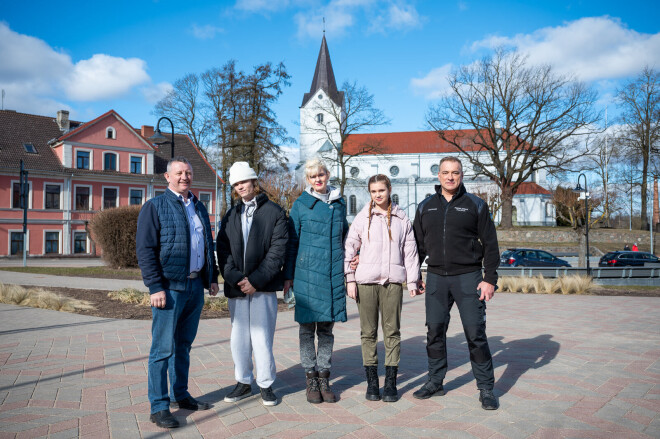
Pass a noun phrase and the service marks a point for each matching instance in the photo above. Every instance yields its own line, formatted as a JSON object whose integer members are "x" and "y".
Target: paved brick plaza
{"x": 566, "y": 366}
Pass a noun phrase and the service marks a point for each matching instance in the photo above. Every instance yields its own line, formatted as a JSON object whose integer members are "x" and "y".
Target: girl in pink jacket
{"x": 383, "y": 235}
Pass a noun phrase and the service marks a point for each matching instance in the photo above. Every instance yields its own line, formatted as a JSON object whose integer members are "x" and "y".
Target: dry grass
{"x": 540, "y": 285}
{"x": 39, "y": 298}
{"x": 131, "y": 295}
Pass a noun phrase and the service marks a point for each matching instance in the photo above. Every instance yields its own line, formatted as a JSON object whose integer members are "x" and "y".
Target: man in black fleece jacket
{"x": 454, "y": 229}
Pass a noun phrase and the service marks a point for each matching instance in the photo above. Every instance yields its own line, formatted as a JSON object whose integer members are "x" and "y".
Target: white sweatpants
{"x": 253, "y": 321}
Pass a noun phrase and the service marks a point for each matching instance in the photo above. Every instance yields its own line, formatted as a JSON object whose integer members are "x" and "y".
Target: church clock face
{"x": 394, "y": 171}
{"x": 435, "y": 169}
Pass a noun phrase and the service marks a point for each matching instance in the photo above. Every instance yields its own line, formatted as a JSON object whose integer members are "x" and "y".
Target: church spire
{"x": 324, "y": 77}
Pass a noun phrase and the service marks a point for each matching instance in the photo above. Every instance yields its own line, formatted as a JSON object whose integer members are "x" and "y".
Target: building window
{"x": 82, "y": 198}
{"x": 355, "y": 172}
{"x": 319, "y": 118}
{"x": 205, "y": 198}
{"x": 395, "y": 199}
{"x": 29, "y": 148}
{"x": 435, "y": 169}
{"x": 52, "y": 196}
{"x": 548, "y": 210}
{"x": 352, "y": 205}
{"x": 16, "y": 195}
{"x": 394, "y": 171}
{"x": 79, "y": 242}
{"x": 110, "y": 133}
{"x": 320, "y": 96}
{"x": 82, "y": 159}
{"x": 136, "y": 165}
{"x": 136, "y": 197}
{"x": 16, "y": 239}
{"x": 110, "y": 161}
{"x": 52, "y": 244}
{"x": 109, "y": 197}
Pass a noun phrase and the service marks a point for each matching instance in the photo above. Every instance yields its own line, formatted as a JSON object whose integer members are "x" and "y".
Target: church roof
{"x": 324, "y": 78}
{"x": 414, "y": 142}
{"x": 531, "y": 188}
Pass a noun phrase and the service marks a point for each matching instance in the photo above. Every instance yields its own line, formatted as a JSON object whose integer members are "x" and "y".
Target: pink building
{"x": 77, "y": 169}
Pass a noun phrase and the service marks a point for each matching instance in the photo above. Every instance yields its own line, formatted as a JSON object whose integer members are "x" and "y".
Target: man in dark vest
{"x": 175, "y": 252}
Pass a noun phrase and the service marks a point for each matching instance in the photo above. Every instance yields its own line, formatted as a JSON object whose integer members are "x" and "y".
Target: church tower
{"x": 321, "y": 112}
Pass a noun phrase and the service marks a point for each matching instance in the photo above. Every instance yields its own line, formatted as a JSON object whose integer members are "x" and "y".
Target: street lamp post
{"x": 578, "y": 189}
{"x": 158, "y": 137}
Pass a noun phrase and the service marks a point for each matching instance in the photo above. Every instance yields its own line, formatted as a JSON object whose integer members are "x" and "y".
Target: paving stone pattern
{"x": 566, "y": 366}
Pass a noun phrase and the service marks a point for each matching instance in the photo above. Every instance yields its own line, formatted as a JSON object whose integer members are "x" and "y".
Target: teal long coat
{"x": 315, "y": 259}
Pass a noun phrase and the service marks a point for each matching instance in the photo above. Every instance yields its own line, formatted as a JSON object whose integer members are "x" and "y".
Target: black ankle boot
{"x": 389, "y": 390}
{"x": 373, "y": 391}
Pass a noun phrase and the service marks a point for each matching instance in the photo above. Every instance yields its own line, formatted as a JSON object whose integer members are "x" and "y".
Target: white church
{"x": 409, "y": 159}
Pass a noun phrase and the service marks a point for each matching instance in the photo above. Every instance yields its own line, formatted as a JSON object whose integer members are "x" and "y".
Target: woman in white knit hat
{"x": 251, "y": 249}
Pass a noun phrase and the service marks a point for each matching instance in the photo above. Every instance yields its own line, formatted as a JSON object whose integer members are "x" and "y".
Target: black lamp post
{"x": 158, "y": 137}
{"x": 578, "y": 189}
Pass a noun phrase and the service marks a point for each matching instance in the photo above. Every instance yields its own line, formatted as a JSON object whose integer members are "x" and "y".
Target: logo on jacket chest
{"x": 461, "y": 209}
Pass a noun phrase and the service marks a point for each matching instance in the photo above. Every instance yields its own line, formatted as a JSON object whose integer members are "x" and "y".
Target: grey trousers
{"x": 311, "y": 357}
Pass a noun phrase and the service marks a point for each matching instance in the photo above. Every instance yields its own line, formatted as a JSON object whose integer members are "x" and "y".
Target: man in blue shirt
{"x": 174, "y": 247}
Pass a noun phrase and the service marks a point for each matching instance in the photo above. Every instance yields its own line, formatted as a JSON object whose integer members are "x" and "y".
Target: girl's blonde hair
{"x": 380, "y": 178}
{"x": 314, "y": 165}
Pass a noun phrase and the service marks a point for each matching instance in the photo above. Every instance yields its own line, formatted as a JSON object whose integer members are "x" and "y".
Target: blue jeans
{"x": 173, "y": 330}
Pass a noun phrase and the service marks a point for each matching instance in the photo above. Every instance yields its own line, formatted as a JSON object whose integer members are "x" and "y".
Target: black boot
{"x": 389, "y": 391}
{"x": 373, "y": 391}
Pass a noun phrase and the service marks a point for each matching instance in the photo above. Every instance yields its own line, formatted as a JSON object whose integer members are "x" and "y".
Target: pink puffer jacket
{"x": 381, "y": 260}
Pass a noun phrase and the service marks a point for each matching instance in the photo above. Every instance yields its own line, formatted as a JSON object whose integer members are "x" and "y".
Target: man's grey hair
{"x": 178, "y": 158}
{"x": 450, "y": 158}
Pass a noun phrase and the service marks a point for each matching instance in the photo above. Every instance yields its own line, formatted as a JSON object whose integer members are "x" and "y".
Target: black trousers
{"x": 441, "y": 293}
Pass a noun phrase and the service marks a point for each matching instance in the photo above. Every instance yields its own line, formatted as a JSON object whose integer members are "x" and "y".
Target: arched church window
{"x": 352, "y": 205}
{"x": 395, "y": 198}
{"x": 319, "y": 118}
{"x": 355, "y": 172}
{"x": 394, "y": 171}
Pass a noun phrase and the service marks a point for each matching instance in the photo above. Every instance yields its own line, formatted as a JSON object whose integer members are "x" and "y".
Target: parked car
{"x": 530, "y": 257}
{"x": 627, "y": 259}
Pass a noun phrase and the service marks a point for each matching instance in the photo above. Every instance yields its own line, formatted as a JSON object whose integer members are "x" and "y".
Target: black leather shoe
{"x": 488, "y": 400}
{"x": 428, "y": 390}
{"x": 164, "y": 419}
{"x": 191, "y": 403}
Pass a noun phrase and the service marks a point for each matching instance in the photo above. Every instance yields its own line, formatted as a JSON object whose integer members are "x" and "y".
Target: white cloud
{"x": 155, "y": 92}
{"x": 104, "y": 76}
{"x": 434, "y": 85}
{"x": 205, "y": 32}
{"x": 40, "y": 79}
{"x": 592, "y": 48}
{"x": 398, "y": 16}
{"x": 261, "y": 5}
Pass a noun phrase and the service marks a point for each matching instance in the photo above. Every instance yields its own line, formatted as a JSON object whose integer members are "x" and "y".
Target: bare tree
{"x": 184, "y": 106}
{"x": 601, "y": 158}
{"x": 281, "y": 187}
{"x": 511, "y": 119}
{"x": 639, "y": 100}
{"x": 338, "y": 123}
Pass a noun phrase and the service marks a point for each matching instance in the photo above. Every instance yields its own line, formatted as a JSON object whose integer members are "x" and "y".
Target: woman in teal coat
{"x": 315, "y": 270}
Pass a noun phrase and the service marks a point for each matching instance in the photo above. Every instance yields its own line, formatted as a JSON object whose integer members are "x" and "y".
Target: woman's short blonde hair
{"x": 313, "y": 166}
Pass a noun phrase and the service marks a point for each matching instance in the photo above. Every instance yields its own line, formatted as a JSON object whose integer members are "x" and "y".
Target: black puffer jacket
{"x": 457, "y": 236}
{"x": 266, "y": 248}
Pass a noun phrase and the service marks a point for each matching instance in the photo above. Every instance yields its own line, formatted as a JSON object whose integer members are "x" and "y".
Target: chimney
{"x": 147, "y": 131}
{"x": 63, "y": 120}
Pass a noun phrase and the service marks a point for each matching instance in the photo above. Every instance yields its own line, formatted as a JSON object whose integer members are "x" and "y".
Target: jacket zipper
{"x": 444, "y": 236}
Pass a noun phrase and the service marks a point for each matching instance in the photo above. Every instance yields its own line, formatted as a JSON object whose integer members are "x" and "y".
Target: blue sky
{"x": 89, "y": 57}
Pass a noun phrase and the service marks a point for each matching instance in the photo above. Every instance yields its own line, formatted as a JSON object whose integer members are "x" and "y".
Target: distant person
{"x": 635, "y": 248}
{"x": 626, "y": 248}
{"x": 251, "y": 250}
{"x": 454, "y": 229}
{"x": 175, "y": 253}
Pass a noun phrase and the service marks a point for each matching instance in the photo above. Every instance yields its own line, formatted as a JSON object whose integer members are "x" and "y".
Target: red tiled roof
{"x": 531, "y": 188}
{"x": 413, "y": 142}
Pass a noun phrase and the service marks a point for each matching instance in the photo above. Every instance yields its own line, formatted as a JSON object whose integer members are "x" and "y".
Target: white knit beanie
{"x": 241, "y": 171}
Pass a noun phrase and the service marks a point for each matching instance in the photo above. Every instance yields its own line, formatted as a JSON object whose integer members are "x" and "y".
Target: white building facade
{"x": 409, "y": 159}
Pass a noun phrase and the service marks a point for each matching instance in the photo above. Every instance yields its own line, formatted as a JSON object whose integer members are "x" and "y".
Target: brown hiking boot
{"x": 326, "y": 391}
{"x": 313, "y": 392}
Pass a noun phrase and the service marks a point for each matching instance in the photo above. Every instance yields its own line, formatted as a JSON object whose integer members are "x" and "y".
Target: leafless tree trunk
{"x": 510, "y": 119}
